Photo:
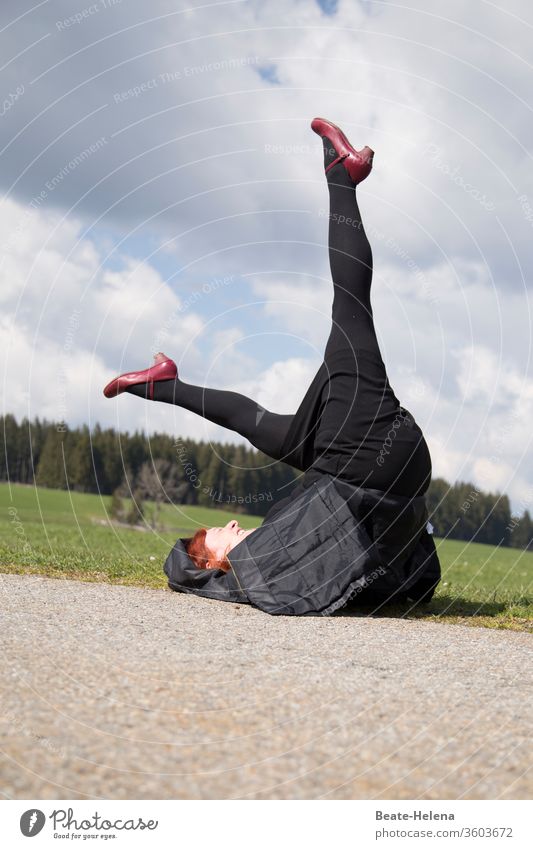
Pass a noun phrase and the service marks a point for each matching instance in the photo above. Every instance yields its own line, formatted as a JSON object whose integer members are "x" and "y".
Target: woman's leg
{"x": 363, "y": 436}
{"x": 265, "y": 430}
{"x": 350, "y": 258}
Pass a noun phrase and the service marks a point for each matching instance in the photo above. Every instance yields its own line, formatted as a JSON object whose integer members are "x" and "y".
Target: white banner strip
{"x": 268, "y": 824}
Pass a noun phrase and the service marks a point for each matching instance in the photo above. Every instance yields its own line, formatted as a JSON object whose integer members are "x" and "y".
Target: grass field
{"x": 69, "y": 535}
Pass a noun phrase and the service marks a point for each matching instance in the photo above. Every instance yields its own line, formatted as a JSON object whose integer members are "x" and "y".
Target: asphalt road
{"x": 118, "y": 692}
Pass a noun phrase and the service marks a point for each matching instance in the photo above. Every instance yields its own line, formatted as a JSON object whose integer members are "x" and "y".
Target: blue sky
{"x": 161, "y": 188}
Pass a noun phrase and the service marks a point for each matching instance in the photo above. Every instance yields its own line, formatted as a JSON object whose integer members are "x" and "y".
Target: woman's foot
{"x": 163, "y": 369}
{"x": 358, "y": 163}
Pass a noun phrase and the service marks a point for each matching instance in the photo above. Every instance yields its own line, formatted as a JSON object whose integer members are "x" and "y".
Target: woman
{"x": 356, "y": 522}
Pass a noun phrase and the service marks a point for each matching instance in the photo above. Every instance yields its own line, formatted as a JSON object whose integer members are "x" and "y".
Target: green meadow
{"x": 71, "y": 535}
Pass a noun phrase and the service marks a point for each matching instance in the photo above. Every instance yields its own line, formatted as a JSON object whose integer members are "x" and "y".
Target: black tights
{"x": 265, "y": 430}
{"x": 350, "y": 258}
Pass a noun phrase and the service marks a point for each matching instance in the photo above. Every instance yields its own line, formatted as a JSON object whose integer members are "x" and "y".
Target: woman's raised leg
{"x": 265, "y": 430}
{"x": 350, "y": 258}
{"x": 364, "y": 436}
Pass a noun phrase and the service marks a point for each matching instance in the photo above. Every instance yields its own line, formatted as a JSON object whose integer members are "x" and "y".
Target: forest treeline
{"x": 163, "y": 468}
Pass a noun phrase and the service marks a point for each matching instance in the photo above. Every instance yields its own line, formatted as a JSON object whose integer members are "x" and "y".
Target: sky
{"x": 161, "y": 189}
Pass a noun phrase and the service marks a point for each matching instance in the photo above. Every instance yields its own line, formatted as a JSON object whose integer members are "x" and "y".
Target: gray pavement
{"x": 119, "y": 692}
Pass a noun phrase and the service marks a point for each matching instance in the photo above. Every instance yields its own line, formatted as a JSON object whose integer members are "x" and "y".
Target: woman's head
{"x": 208, "y": 549}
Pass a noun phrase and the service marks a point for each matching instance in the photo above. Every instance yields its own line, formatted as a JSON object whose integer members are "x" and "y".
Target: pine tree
{"x": 236, "y": 478}
{"x": 211, "y": 492}
{"x": 499, "y": 520}
{"x": 108, "y": 458}
{"x": 134, "y": 450}
{"x": 51, "y": 468}
{"x": 80, "y": 463}
{"x": 521, "y": 534}
{"x": 439, "y": 500}
{"x": 36, "y": 437}
{"x": 24, "y": 450}
{"x": 9, "y": 461}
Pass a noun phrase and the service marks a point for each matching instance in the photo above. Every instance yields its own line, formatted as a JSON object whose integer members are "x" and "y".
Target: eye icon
{"x": 32, "y": 822}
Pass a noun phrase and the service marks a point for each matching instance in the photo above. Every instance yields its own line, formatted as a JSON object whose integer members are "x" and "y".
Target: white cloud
{"x": 281, "y": 387}
{"x": 301, "y": 304}
{"x": 397, "y": 78}
{"x": 69, "y": 325}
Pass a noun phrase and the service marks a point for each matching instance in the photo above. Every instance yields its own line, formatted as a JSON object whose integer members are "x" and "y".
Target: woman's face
{"x": 221, "y": 540}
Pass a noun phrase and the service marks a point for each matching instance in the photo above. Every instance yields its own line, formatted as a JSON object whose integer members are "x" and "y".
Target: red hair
{"x": 200, "y": 554}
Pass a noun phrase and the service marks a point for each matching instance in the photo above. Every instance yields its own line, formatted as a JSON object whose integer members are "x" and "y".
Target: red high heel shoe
{"x": 358, "y": 163}
{"x": 163, "y": 370}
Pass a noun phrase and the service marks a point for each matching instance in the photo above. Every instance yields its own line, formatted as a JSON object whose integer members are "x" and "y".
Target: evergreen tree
{"x": 24, "y": 452}
{"x": 236, "y": 480}
{"x": 9, "y": 460}
{"x": 499, "y": 520}
{"x": 36, "y": 436}
{"x": 108, "y": 458}
{"x": 471, "y": 509}
{"x": 442, "y": 515}
{"x": 212, "y": 489}
{"x": 80, "y": 463}
{"x": 51, "y": 468}
{"x": 521, "y": 532}
{"x": 134, "y": 450}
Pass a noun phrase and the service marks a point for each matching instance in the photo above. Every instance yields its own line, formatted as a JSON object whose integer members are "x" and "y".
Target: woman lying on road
{"x": 356, "y": 524}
